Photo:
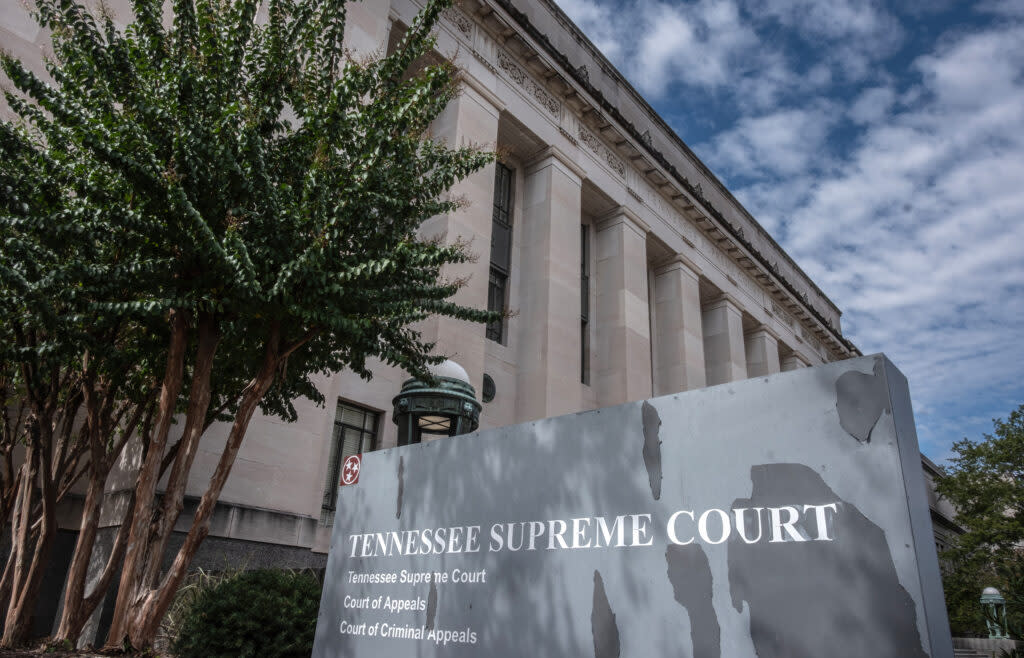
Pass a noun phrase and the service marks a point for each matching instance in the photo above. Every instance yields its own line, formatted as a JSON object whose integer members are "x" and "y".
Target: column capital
{"x": 724, "y": 299}
{"x": 793, "y": 361}
{"x": 466, "y": 78}
{"x": 554, "y": 154}
{"x": 622, "y": 215}
{"x": 676, "y": 262}
{"x": 764, "y": 330}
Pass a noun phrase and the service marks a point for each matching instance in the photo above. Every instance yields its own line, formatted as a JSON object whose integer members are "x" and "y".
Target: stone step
{"x": 968, "y": 653}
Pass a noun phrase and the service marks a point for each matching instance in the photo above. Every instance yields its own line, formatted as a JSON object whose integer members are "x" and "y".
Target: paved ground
{"x": 43, "y": 653}
{"x": 40, "y": 653}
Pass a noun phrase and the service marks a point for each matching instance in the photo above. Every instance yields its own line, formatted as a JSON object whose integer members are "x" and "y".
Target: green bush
{"x": 264, "y": 614}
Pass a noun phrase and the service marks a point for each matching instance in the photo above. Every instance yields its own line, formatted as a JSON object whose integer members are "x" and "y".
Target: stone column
{"x": 470, "y": 118}
{"x": 548, "y": 324}
{"x": 762, "y": 353}
{"x": 724, "y": 352}
{"x": 793, "y": 361}
{"x": 679, "y": 336}
{"x": 623, "y": 357}
{"x": 367, "y": 26}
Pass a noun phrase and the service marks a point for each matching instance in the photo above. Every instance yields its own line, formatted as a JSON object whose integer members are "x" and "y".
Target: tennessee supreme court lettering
{"x": 777, "y": 517}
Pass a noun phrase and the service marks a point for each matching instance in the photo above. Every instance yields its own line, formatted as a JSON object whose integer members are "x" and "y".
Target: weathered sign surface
{"x": 774, "y": 517}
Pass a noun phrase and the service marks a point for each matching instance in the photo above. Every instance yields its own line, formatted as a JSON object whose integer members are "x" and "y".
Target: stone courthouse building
{"x": 629, "y": 269}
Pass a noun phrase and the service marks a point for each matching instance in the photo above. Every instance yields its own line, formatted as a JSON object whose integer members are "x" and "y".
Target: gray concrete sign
{"x": 777, "y": 517}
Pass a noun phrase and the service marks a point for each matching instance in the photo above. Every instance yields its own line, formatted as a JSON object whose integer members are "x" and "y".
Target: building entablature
{"x": 536, "y": 51}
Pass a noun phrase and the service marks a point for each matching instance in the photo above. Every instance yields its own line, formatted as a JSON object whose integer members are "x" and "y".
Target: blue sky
{"x": 883, "y": 146}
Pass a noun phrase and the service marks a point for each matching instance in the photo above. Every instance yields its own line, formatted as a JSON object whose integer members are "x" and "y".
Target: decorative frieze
{"x": 783, "y": 315}
{"x": 568, "y": 135}
{"x": 483, "y": 60}
{"x": 459, "y": 20}
{"x": 523, "y": 79}
{"x": 602, "y": 151}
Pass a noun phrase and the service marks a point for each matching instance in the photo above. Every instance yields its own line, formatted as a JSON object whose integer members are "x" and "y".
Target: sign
{"x": 774, "y": 517}
{"x": 350, "y": 470}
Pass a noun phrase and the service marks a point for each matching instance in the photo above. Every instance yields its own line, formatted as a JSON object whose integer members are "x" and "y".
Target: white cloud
{"x": 872, "y": 104}
{"x": 601, "y": 23}
{"x": 823, "y": 22}
{"x": 975, "y": 70}
{"x": 782, "y": 143}
{"x": 656, "y": 43}
{"x": 848, "y": 34}
{"x": 918, "y": 237}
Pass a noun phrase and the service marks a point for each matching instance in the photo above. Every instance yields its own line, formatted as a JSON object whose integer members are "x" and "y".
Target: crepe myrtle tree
{"x": 68, "y": 377}
{"x": 264, "y": 191}
{"x": 984, "y": 481}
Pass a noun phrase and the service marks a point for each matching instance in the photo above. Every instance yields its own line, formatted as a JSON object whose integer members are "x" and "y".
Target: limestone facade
{"x": 682, "y": 288}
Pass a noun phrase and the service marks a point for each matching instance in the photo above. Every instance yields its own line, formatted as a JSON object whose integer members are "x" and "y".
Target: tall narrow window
{"x": 501, "y": 250}
{"x": 584, "y": 303}
{"x": 355, "y": 432}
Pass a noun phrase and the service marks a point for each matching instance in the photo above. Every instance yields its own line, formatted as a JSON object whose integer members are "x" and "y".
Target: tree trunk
{"x": 195, "y": 422}
{"x": 78, "y": 610}
{"x": 78, "y": 571}
{"x": 131, "y": 585}
{"x": 146, "y": 616}
{"x": 27, "y": 580}
{"x": 78, "y": 606}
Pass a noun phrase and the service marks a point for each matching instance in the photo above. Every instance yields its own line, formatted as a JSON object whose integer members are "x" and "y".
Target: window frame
{"x": 585, "y": 252}
{"x": 502, "y": 212}
{"x": 369, "y": 435}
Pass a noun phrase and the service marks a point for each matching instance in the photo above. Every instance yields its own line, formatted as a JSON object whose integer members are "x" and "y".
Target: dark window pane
{"x": 502, "y": 193}
{"x": 501, "y": 249}
{"x": 584, "y": 249}
{"x": 496, "y": 302}
{"x": 501, "y": 246}
{"x": 584, "y": 303}
{"x": 585, "y": 297}
{"x": 584, "y": 352}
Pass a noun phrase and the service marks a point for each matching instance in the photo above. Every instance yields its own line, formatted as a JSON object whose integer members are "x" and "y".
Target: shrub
{"x": 264, "y": 614}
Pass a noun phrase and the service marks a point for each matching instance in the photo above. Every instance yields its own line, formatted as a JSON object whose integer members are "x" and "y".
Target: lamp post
{"x": 447, "y": 408}
{"x": 994, "y": 606}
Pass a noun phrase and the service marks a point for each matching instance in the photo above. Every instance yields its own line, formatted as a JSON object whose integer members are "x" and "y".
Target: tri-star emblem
{"x": 350, "y": 470}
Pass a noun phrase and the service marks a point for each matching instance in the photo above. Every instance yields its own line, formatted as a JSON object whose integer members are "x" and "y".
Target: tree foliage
{"x": 199, "y": 215}
{"x": 985, "y": 483}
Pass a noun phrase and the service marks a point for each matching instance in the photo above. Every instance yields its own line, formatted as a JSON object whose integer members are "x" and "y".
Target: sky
{"x": 882, "y": 145}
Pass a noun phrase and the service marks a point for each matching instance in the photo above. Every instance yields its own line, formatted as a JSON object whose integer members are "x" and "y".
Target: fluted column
{"x": 724, "y": 351}
{"x": 547, "y": 382}
{"x": 623, "y": 357}
{"x": 679, "y": 335}
{"x": 762, "y": 353}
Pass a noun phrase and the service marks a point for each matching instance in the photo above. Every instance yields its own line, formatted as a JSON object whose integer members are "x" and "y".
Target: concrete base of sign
{"x": 781, "y": 516}
{"x": 986, "y": 646}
